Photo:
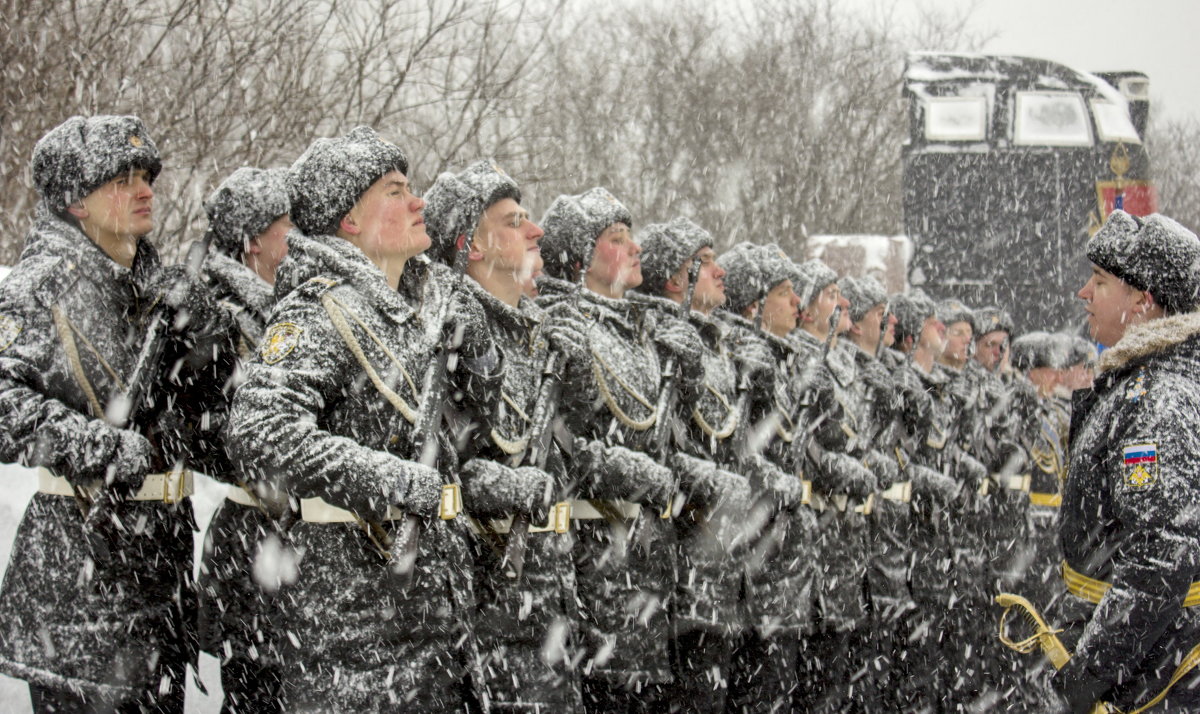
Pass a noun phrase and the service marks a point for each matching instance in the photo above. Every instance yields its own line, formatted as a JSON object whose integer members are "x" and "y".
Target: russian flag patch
{"x": 1141, "y": 465}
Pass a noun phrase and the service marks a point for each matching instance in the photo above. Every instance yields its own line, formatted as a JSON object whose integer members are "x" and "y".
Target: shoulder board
{"x": 57, "y": 277}
{"x": 319, "y": 285}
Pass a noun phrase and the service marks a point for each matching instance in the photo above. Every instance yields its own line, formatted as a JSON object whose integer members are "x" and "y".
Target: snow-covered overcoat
{"x": 1131, "y": 519}
{"x": 841, "y": 482}
{"x": 525, "y": 627}
{"x": 235, "y": 620}
{"x": 624, "y": 587}
{"x": 715, "y": 493}
{"x": 64, "y": 623}
{"x": 890, "y": 521}
{"x": 312, "y": 419}
{"x": 780, "y": 567}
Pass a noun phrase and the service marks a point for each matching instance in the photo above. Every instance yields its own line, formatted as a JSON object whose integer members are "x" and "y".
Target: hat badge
{"x": 135, "y": 141}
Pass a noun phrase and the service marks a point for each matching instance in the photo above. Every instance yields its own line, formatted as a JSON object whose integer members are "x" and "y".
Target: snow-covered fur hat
{"x": 665, "y": 248}
{"x": 1034, "y": 350}
{"x": 951, "y": 311}
{"x": 244, "y": 205}
{"x": 1154, "y": 254}
{"x": 572, "y": 224}
{"x": 992, "y": 319}
{"x": 863, "y": 294}
{"x": 1080, "y": 350}
{"x": 820, "y": 276}
{"x": 455, "y": 203}
{"x": 911, "y": 310}
{"x": 83, "y": 153}
{"x": 745, "y": 282}
{"x": 332, "y": 174}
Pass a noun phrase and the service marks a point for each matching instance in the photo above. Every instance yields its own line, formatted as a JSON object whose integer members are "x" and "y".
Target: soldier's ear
{"x": 349, "y": 225}
{"x": 78, "y": 210}
{"x": 474, "y": 252}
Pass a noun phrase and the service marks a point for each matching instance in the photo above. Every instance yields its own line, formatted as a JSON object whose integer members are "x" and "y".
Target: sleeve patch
{"x": 10, "y": 327}
{"x": 1140, "y": 465}
{"x": 280, "y": 340}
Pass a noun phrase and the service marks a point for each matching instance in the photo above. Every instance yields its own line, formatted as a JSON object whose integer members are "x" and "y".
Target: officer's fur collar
{"x": 1149, "y": 338}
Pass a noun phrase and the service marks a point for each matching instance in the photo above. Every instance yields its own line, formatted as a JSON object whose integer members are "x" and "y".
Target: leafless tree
{"x": 1175, "y": 151}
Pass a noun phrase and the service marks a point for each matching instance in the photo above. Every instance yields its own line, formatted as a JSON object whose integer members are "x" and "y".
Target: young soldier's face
{"x": 506, "y": 241}
{"x": 270, "y": 247}
{"x": 781, "y": 309}
{"x": 821, "y": 308}
{"x": 872, "y": 325}
{"x": 710, "y": 281}
{"x": 989, "y": 348}
{"x": 958, "y": 339}
{"x": 616, "y": 262}
{"x": 1110, "y": 305}
{"x": 933, "y": 335}
{"x": 387, "y": 222}
{"x": 121, "y": 208}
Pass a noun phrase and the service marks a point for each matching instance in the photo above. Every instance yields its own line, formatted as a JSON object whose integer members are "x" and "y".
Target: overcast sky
{"x": 1158, "y": 37}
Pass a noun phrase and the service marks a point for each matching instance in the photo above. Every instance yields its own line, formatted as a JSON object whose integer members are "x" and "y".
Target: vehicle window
{"x": 956, "y": 119}
{"x": 1051, "y": 119}
{"x": 1113, "y": 123}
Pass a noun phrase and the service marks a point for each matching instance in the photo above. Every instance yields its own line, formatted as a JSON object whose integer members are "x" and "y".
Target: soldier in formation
{"x": 480, "y": 463}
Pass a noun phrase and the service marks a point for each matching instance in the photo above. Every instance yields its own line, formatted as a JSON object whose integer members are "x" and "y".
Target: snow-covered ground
{"x": 17, "y": 486}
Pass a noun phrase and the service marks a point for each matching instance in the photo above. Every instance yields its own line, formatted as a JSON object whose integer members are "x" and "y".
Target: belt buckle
{"x": 805, "y": 492}
{"x": 560, "y": 517}
{"x": 451, "y": 503}
{"x": 174, "y": 485}
{"x": 866, "y": 506}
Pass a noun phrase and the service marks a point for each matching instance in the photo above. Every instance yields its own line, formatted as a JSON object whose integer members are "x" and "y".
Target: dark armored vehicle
{"x": 1010, "y": 165}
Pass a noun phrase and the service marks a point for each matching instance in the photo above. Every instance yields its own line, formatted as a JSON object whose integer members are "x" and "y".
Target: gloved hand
{"x": 680, "y": 341}
{"x": 885, "y": 468}
{"x": 417, "y": 488}
{"x": 755, "y": 359}
{"x": 468, "y": 333}
{"x": 1077, "y": 687}
{"x": 568, "y": 333}
{"x": 492, "y": 488}
{"x": 618, "y": 473}
{"x": 785, "y": 489}
{"x": 846, "y": 475}
{"x": 187, "y": 298}
{"x": 935, "y": 485}
{"x": 130, "y": 461}
{"x": 104, "y": 530}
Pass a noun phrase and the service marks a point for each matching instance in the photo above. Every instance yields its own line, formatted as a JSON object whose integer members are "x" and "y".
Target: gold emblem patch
{"x": 9, "y": 329}
{"x": 135, "y": 141}
{"x": 279, "y": 342}
{"x": 1141, "y": 464}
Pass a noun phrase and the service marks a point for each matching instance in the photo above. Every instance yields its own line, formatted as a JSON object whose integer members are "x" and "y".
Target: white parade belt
{"x": 170, "y": 487}
{"x": 585, "y": 511}
{"x": 317, "y": 510}
{"x": 274, "y": 500}
{"x": 557, "y": 521}
{"x": 842, "y": 503}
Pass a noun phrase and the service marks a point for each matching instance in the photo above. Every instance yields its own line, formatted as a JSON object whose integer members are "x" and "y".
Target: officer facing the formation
{"x": 248, "y": 227}
{"x": 340, "y": 410}
{"x": 524, "y": 577}
{"x": 97, "y": 604}
{"x": 1130, "y": 528}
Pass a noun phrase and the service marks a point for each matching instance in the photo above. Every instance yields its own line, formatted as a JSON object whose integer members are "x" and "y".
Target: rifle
{"x": 540, "y": 439}
{"x": 123, "y": 410}
{"x": 666, "y": 397}
{"x": 425, "y": 446}
{"x": 883, "y": 328}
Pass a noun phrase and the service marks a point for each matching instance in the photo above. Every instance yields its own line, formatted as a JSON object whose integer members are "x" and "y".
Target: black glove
{"x": 846, "y": 475}
{"x": 885, "y": 468}
{"x": 755, "y": 359}
{"x": 187, "y": 299}
{"x": 618, "y": 473}
{"x": 785, "y": 489}
{"x": 1078, "y": 688}
{"x": 568, "y": 333}
{"x": 492, "y": 488}
{"x": 416, "y": 488}
{"x": 679, "y": 340}
{"x": 468, "y": 333}
{"x": 934, "y": 485}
